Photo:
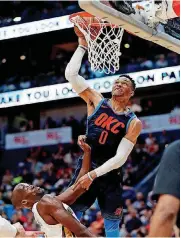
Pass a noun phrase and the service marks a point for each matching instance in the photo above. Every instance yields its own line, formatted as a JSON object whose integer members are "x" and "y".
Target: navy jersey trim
{"x": 96, "y": 109}
{"x": 117, "y": 113}
{"x": 127, "y": 126}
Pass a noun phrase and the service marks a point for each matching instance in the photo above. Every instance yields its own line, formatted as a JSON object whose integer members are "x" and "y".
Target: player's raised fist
{"x": 78, "y": 32}
{"x": 82, "y": 143}
{"x": 82, "y": 40}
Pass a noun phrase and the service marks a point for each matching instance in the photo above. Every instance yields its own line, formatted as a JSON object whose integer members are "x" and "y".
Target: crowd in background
{"x": 54, "y": 70}
{"x": 35, "y": 63}
{"x": 53, "y": 168}
{"x": 34, "y": 11}
{"x": 147, "y": 107}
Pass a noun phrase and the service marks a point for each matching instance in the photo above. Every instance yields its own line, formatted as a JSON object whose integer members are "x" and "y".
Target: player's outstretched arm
{"x": 86, "y": 161}
{"x": 70, "y": 195}
{"x": 15, "y": 230}
{"x": 63, "y": 217}
{"x": 124, "y": 149}
{"x": 78, "y": 83}
{"x": 167, "y": 191}
{"x": 164, "y": 216}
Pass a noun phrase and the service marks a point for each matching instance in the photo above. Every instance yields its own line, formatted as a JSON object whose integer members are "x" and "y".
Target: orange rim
{"x": 88, "y": 15}
{"x": 81, "y": 14}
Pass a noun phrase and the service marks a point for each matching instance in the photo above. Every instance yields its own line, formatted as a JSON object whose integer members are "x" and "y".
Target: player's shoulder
{"x": 50, "y": 201}
{"x": 46, "y": 200}
{"x": 129, "y": 113}
{"x": 136, "y": 122}
{"x": 134, "y": 130}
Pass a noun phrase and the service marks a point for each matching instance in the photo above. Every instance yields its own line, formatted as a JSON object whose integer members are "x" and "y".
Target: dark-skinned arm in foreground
{"x": 56, "y": 210}
{"x": 167, "y": 191}
{"x": 70, "y": 195}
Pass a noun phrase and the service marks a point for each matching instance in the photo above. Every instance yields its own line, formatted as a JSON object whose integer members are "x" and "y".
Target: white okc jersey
{"x": 53, "y": 231}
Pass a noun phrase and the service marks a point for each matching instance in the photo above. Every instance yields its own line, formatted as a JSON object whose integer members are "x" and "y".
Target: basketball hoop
{"x": 103, "y": 39}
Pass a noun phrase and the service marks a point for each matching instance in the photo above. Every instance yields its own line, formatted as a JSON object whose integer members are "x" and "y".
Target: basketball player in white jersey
{"x": 15, "y": 230}
{"x": 52, "y": 213}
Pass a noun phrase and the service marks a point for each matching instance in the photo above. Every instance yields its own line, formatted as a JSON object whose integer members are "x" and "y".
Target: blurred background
{"x": 41, "y": 117}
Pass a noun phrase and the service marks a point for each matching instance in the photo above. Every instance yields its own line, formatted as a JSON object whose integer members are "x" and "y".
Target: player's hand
{"x": 20, "y": 230}
{"x": 21, "y": 233}
{"x": 78, "y": 32}
{"x": 82, "y": 40}
{"x": 34, "y": 234}
{"x": 83, "y": 145}
{"x": 85, "y": 181}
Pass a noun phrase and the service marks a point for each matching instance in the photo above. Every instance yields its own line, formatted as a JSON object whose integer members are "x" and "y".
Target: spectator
{"x": 23, "y": 126}
{"x": 21, "y": 217}
{"x": 38, "y": 181}
{"x": 161, "y": 62}
{"x": 138, "y": 153}
{"x": 96, "y": 227}
{"x": 25, "y": 83}
{"x": 30, "y": 126}
{"x": 172, "y": 59}
{"x": 72, "y": 122}
{"x": 129, "y": 176}
{"x": 147, "y": 64}
{"x": 133, "y": 222}
{"x": 164, "y": 139}
{"x": 139, "y": 198}
{"x": 27, "y": 176}
{"x": 150, "y": 140}
{"x": 153, "y": 148}
{"x": 132, "y": 66}
{"x": 145, "y": 216}
{"x": 49, "y": 123}
{"x": 148, "y": 108}
{"x": 58, "y": 155}
{"x": 7, "y": 178}
{"x": 55, "y": 74}
{"x": 135, "y": 107}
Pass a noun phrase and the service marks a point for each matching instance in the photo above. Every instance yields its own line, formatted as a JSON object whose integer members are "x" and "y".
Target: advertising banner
{"x": 103, "y": 85}
{"x": 158, "y": 123}
{"x": 35, "y": 27}
{"x": 38, "y": 138}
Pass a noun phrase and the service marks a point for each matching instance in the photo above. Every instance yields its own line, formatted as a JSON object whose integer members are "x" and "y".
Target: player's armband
{"x": 124, "y": 149}
{"x": 78, "y": 83}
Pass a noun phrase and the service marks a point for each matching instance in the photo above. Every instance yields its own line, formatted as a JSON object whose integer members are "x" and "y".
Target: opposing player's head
{"x": 25, "y": 195}
{"x": 124, "y": 87}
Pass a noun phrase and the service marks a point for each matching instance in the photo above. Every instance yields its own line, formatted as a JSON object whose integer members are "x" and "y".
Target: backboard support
{"x": 131, "y": 23}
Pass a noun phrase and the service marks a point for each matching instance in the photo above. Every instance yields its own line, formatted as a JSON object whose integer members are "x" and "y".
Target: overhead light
{"x": 17, "y": 19}
{"x": 3, "y": 61}
{"x": 127, "y": 46}
{"x": 22, "y": 57}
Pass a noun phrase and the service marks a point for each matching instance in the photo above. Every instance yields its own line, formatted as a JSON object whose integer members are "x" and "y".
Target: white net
{"x": 104, "y": 41}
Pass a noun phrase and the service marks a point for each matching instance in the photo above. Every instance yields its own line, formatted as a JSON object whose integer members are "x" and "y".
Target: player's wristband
{"x": 88, "y": 174}
{"x": 83, "y": 47}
